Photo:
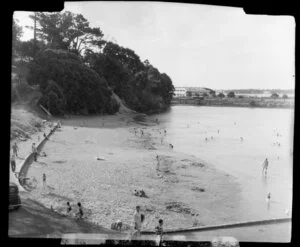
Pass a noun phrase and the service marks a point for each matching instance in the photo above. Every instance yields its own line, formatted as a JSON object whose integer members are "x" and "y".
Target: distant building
{"x": 199, "y": 91}
{"x": 180, "y": 92}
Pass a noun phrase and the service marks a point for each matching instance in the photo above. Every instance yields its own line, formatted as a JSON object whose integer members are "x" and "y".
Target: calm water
{"x": 188, "y": 126}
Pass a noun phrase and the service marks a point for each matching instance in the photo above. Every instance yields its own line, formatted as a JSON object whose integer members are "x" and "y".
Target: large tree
{"x": 67, "y": 31}
{"x": 17, "y": 32}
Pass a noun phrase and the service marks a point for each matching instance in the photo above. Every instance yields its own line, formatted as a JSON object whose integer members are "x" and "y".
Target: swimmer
{"x": 265, "y": 166}
{"x": 268, "y": 197}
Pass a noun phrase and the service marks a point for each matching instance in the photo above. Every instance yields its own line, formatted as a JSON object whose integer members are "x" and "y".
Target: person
{"x": 242, "y": 139}
{"x": 13, "y": 163}
{"x": 34, "y": 151}
{"x": 218, "y": 131}
{"x": 268, "y": 200}
{"x": 171, "y": 146}
{"x": 69, "y": 208}
{"x": 138, "y": 221}
{"x": 159, "y": 228}
{"x": 161, "y": 140}
{"x": 165, "y": 132}
{"x": 44, "y": 180}
{"x": 206, "y": 139}
{"x": 59, "y": 124}
{"x": 265, "y": 166}
{"x": 80, "y": 211}
{"x": 15, "y": 149}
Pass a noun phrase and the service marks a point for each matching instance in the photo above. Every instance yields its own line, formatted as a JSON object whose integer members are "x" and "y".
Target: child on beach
{"x": 15, "y": 149}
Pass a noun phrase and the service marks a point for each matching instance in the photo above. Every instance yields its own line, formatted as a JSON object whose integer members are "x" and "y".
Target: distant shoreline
{"x": 237, "y": 102}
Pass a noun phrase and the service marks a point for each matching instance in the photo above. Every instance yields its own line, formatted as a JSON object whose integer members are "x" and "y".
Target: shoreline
{"x": 144, "y": 149}
{"x": 237, "y": 102}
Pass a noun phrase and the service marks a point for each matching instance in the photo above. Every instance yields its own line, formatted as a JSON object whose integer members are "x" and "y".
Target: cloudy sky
{"x": 197, "y": 45}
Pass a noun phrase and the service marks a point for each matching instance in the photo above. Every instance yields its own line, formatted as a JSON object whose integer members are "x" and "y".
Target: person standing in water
{"x": 265, "y": 167}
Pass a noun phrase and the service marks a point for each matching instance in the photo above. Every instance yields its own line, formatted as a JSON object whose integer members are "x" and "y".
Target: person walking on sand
{"x": 15, "y": 149}
{"x": 80, "y": 211}
{"x": 69, "y": 208}
{"x": 34, "y": 151}
{"x": 138, "y": 221}
{"x": 159, "y": 230}
{"x": 13, "y": 163}
{"x": 157, "y": 164}
{"x": 44, "y": 180}
{"x": 265, "y": 167}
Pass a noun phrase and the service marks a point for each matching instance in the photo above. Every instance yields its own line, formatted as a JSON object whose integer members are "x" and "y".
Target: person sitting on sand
{"x": 69, "y": 208}
{"x": 117, "y": 225}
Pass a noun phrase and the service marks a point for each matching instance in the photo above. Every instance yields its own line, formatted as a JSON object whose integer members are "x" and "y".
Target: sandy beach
{"x": 100, "y": 161}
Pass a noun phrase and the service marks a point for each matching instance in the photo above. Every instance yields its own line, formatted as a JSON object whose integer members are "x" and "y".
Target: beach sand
{"x": 100, "y": 161}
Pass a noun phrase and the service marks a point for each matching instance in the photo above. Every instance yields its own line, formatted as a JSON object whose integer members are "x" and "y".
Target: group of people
{"x": 139, "y": 219}
{"x": 79, "y": 213}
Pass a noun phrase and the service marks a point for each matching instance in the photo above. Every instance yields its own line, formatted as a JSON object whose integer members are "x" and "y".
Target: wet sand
{"x": 185, "y": 192}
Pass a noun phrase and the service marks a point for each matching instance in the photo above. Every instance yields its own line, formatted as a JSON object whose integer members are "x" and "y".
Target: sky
{"x": 197, "y": 45}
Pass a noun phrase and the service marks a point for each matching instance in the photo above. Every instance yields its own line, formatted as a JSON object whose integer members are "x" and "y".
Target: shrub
{"x": 221, "y": 95}
{"x": 253, "y": 103}
{"x": 231, "y": 95}
{"x": 274, "y": 96}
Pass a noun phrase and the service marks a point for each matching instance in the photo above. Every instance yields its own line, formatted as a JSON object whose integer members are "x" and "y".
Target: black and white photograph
{"x": 152, "y": 121}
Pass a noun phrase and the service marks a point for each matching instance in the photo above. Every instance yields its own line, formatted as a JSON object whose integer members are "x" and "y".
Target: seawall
{"x": 29, "y": 159}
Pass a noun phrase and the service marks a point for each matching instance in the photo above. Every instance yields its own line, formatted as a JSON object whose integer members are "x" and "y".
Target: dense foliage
{"x": 141, "y": 86}
{"x": 231, "y": 94}
{"x": 68, "y": 85}
{"x": 77, "y": 70}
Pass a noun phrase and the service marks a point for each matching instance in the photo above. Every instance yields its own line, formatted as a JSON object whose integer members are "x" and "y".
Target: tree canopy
{"x": 77, "y": 70}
